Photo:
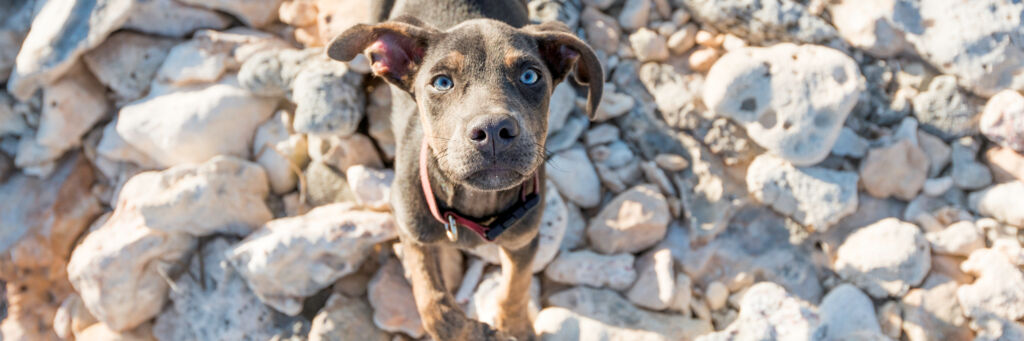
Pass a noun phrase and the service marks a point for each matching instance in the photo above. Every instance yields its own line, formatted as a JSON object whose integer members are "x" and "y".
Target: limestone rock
{"x": 762, "y": 21}
{"x": 344, "y": 152}
{"x": 329, "y": 100}
{"x": 345, "y": 318}
{"x": 575, "y": 177}
{"x": 847, "y": 312}
{"x": 1003, "y": 120}
{"x": 255, "y": 13}
{"x": 873, "y": 26}
{"x": 767, "y": 312}
{"x": 127, "y": 62}
{"x": 648, "y": 45}
{"x": 968, "y": 173}
{"x": 655, "y": 285}
{"x": 885, "y": 258}
{"x": 561, "y": 104}
{"x": 222, "y": 195}
{"x": 814, "y": 197}
{"x": 280, "y": 151}
{"x": 1001, "y": 202}
{"x": 171, "y": 18}
{"x": 599, "y": 313}
{"x": 603, "y": 32}
{"x": 998, "y": 290}
{"x": 1005, "y": 163}
{"x": 634, "y": 14}
{"x": 633, "y": 221}
{"x": 898, "y": 170}
{"x": 195, "y": 123}
{"x": 394, "y": 308}
{"x": 291, "y": 258}
{"x": 372, "y": 187}
{"x": 933, "y": 313}
{"x": 959, "y": 239}
{"x": 765, "y": 90}
{"x": 211, "y": 302}
{"x": 946, "y": 111}
{"x": 72, "y": 105}
{"x": 588, "y": 268}
{"x": 61, "y": 32}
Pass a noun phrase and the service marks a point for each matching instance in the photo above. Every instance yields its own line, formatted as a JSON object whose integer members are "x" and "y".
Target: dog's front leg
{"x": 441, "y": 317}
{"x": 514, "y": 296}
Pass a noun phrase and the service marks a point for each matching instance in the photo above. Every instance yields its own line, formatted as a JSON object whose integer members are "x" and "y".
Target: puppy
{"x": 470, "y": 82}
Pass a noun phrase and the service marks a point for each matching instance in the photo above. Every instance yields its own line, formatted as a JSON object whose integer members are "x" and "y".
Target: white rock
{"x": 483, "y": 306}
{"x": 635, "y": 220}
{"x": 191, "y": 63}
{"x": 603, "y": 32}
{"x": 1003, "y": 120}
{"x": 71, "y": 106}
{"x": 11, "y": 120}
{"x": 967, "y": 172}
{"x": 223, "y": 195}
{"x": 171, "y": 18}
{"x": 634, "y": 14}
{"x": 932, "y": 311}
{"x": 998, "y": 289}
{"x": 683, "y": 294}
{"x": 814, "y": 197}
{"x": 716, "y": 295}
{"x": 280, "y": 151}
{"x": 345, "y": 318}
{"x": 562, "y": 102}
{"x": 372, "y": 187}
{"x": 1001, "y": 202}
{"x": 127, "y": 62}
{"x": 870, "y": 26}
{"x": 216, "y": 305}
{"x": 897, "y": 170}
{"x": 575, "y": 232}
{"x": 613, "y": 104}
{"x": 193, "y": 124}
{"x": 255, "y": 13}
{"x": 61, "y": 32}
{"x": 885, "y": 258}
{"x": 588, "y": 268}
{"x": 119, "y": 269}
{"x": 683, "y": 40}
{"x": 648, "y": 45}
{"x": 847, "y": 312}
{"x": 765, "y": 90}
{"x": 595, "y": 314}
{"x": 329, "y": 100}
{"x": 959, "y": 239}
{"x": 939, "y": 153}
{"x": 762, "y": 22}
{"x": 655, "y": 284}
{"x": 977, "y": 41}
{"x": 344, "y": 152}
{"x": 768, "y": 312}
{"x": 575, "y": 177}
{"x": 946, "y": 111}
{"x": 390, "y": 295}
{"x": 850, "y": 144}
{"x": 292, "y": 258}
{"x": 937, "y": 186}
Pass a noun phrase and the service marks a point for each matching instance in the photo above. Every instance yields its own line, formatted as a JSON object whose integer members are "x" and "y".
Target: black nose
{"x": 494, "y": 133}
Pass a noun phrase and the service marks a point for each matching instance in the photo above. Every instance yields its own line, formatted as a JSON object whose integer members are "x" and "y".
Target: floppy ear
{"x": 561, "y": 51}
{"x": 395, "y": 48}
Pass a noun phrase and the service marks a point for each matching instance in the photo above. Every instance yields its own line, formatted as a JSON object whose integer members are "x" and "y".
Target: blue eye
{"x": 443, "y": 83}
{"x": 529, "y": 77}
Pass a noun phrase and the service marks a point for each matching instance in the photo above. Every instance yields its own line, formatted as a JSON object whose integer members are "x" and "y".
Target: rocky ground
{"x": 758, "y": 169}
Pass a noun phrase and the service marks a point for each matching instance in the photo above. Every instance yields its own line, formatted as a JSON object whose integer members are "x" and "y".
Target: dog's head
{"x": 482, "y": 88}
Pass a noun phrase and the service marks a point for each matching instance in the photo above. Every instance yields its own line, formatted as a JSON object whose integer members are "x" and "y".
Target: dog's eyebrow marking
{"x": 454, "y": 61}
{"x": 513, "y": 58}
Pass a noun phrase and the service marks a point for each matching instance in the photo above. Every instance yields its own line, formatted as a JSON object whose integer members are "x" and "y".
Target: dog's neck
{"x": 467, "y": 200}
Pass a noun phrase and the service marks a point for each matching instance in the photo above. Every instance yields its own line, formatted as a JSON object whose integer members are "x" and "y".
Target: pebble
{"x": 716, "y": 294}
{"x": 763, "y": 90}
{"x": 959, "y": 239}
{"x": 648, "y": 45}
{"x": 850, "y": 144}
{"x": 612, "y": 315}
{"x": 769, "y": 312}
{"x": 847, "y": 312}
{"x": 1006, "y": 164}
{"x": 946, "y": 111}
{"x": 933, "y": 312}
{"x": 634, "y": 14}
{"x": 574, "y": 175}
{"x": 601, "y": 134}
{"x": 897, "y": 170}
{"x": 683, "y": 39}
{"x": 1002, "y": 121}
{"x": 884, "y": 259}
{"x": 371, "y": 186}
{"x": 998, "y": 289}
{"x": 938, "y": 152}
{"x": 655, "y": 284}
{"x": 390, "y": 295}
{"x": 344, "y": 317}
{"x": 937, "y": 186}
{"x": 968, "y": 173}
{"x": 603, "y": 32}
{"x": 127, "y": 62}
{"x": 1001, "y": 202}
{"x": 635, "y": 220}
{"x": 703, "y": 58}
{"x": 589, "y": 268}
{"x": 815, "y": 197}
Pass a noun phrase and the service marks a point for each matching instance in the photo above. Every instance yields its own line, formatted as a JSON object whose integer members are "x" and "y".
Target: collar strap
{"x": 528, "y": 199}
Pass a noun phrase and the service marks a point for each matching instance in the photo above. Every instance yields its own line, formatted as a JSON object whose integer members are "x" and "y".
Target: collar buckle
{"x": 451, "y": 229}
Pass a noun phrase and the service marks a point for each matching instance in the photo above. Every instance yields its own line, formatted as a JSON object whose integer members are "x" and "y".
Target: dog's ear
{"x": 561, "y": 51}
{"x": 395, "y": 48}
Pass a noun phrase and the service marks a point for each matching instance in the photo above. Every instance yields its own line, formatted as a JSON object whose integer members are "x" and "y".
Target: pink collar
{"x": 497, "y": 224}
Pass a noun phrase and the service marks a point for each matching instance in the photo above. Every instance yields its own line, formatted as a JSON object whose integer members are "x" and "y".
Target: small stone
{"x": 191, "y": 63}
{"x": 850, "y": 144}
{"x": 588, "y": 268}
{"x": 890, "y": 318}
{"x": 344, "y": 152}
{"x": 71, "y": 106}
{"x": 763, "y": 89}
{"x": 252, "y": 13}
{"x": 945, "y": 110}
{"x": 1001, "y": 202}
{"x": 1005, "y": 163}
{"x": 998, "y": 290}
{"x": 603, "y": 32}
{"x": 703, "y": 58}
{"x": 683, "y": 40}
{"x": 613, "y": 104}
{"x": 390, "y": 295}
{"x": 329, "y": 99}
{"x": 875, "y": 27}
{"x": 127, "y": 62}
{"x": 1002, "y": 121}
{"x": 938, "y": 152}
{"x": 769, "y": 312}
{"x": 601, "y": 134}
{"x": 561, "y": 104}
{"x": 372, "y": 187}
{"x": 815, "y": 197}
{"x": 289, "y": 259}
{"x": 575, "y": 177}
{"x": 101, "y": 331}
{"x": 885, "y": 258}
{"x": 634, "y": 14}
{"x": 345, "y": 318}
{"x": 671, "y": 162}
{"x": 171, "y": 18}
{"x": 716, "y": 294}
{"x": 733, "y": 43}
{"x": 967, "y": 173}
{"x": 959, "y": 239}
{"x": 681, "y": 16}
{"x": 847, "y": 312}
{"x": 633, "y": 221}
{"x": 297, "y": 13}
{"x": 683, "y": 294}
{"x": 326, "y": 185}
{"x": 655, "y": 284}
{"x": 898, "y": 170}
{"x": 601, "y": 4}
{"x": 280, "y": 151}
{"x": 937, "y": 186}
{"x": 582, "y": 313}
{"x": 575, "y": 236}
{"x": 648, "y": 45}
